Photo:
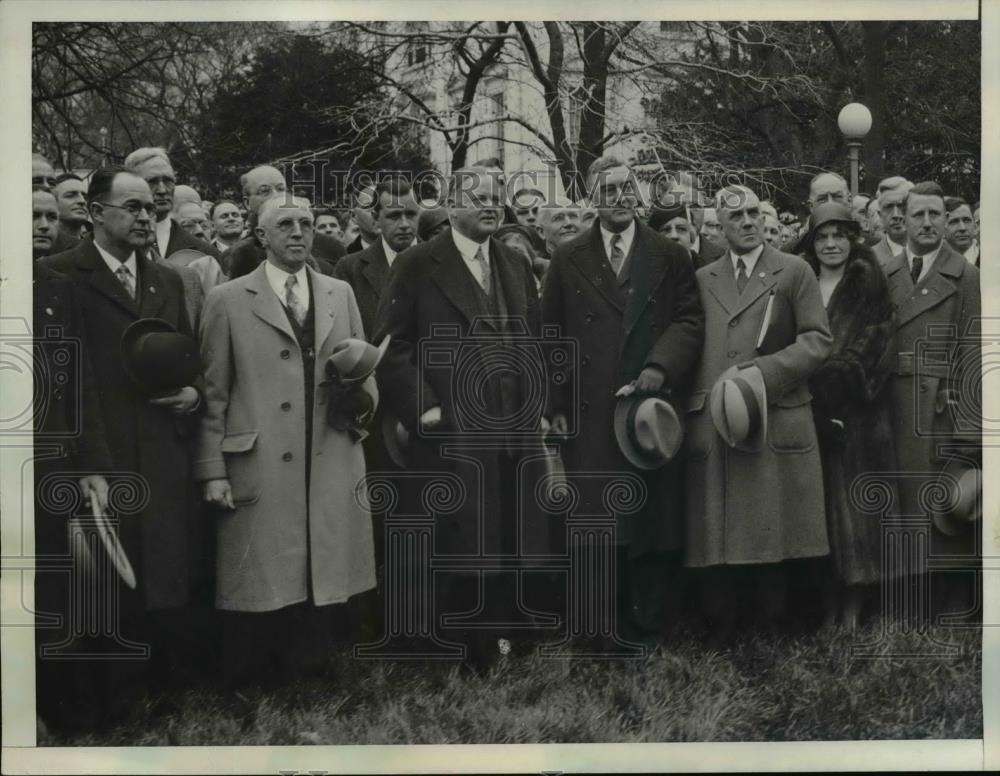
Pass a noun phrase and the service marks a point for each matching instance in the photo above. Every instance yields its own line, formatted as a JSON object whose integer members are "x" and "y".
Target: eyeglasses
{"x": 267, "y": 189}
{"x": 133, "y": 208}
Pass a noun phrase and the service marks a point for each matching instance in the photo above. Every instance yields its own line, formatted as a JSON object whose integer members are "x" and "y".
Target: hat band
{"x": 750, "y": 401}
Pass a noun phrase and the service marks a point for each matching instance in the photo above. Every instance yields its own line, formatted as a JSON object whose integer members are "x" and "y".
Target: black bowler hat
{"x": 158, "y": 358}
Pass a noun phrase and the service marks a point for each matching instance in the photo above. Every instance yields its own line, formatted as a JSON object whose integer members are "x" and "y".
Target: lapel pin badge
{"x": 152, "y": 289}
{"x": 761, "y": 274}
{"x": 49, "y": 311}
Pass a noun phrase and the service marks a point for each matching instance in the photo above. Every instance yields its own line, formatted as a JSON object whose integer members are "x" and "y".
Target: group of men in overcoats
{"x": 468, "y": 393}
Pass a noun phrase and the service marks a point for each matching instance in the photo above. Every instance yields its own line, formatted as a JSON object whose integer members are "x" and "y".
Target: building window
{"x": 416, "y": 53}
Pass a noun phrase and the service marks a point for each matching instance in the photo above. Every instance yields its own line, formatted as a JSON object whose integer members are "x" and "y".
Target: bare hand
{"x": 95, "y": 483}
{"x": 559, "y": 425}
{"x": 650, "y": 380}
{"x": 179, "y": 403}
{"x": 431, "y": 418}
{"x": 218, "y": 493}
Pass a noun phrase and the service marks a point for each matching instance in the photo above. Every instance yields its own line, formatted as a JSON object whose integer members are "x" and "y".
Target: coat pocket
{"x": 790, "y": 427}
{"x": 699, "y": 431}
{"x": 242, "y": 466}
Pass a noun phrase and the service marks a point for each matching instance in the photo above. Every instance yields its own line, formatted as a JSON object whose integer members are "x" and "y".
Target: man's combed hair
{"x": 599, "y": 165}
{"x": 396, "y": 188}
{"x": 732, "y": 197}
{"x": 142, "y": 155}
{"x": 924, "y": 189}
{"x": 951, "y": 204}
{"x": 68, "y": 176}
{"x": 102, "y": 180}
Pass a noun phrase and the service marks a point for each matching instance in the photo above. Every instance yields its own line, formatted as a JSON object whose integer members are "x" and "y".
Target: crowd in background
{"x": 745, "y": 369}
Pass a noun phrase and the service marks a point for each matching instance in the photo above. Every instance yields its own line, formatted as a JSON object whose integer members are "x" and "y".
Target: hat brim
{"x": 130, "y": 337}
{"x": 394, "y": 446}
{"x": 635, "y": 455}
{"x": 967, "y": 512}
{"x": 754, "y": 442}
{"x": 370, "y": 369}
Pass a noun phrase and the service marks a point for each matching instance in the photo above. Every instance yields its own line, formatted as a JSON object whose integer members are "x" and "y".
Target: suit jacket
{"x": 936, "y": 388}
{"x": 883, "y": 253}
{"x": 143, "y": 439}
{"x": 180, "y": 239}
{"x": 244, "y": 257}
{"x": 763, "y": 506}
{"x": 708, "y": 252}
{"x": 649, "y": 315}
{"x": 367, "y": 272}
{"x": 283, "y": 544}
{"x": 68, "y": 423}
{"x": 431, "y": 306}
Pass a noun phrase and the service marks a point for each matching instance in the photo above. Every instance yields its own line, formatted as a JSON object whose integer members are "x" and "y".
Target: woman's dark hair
{"x": 851, "y": 229}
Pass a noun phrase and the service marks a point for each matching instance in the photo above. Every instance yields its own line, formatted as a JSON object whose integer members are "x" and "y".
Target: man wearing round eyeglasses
{"x": 292, "y": 536}
{"x": 260, "y": 184}
{"x": 153, "y": 166}
{"x": 149, "y": 437}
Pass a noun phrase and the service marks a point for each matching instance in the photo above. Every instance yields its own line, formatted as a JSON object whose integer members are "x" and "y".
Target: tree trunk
{"x": 875, "y": 35}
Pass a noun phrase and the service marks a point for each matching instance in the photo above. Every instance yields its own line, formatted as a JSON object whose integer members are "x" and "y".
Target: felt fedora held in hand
{"x": 647, "y": 429}
{"x": 354, "y": 360}
{"x": 159, "y": 359}
{"x": 962, "y": 507}
{"x": 738, "y": 405}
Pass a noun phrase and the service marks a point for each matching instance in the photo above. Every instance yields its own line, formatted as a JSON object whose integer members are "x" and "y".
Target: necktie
{"x": 617, "y": 255}
{"x": 154, "y": 250}
{"x": 125, "y": 278}
{"x": 916, "y": 268}
{"x": 741, "y": 275}
{"x": 484, "y": 270}
{"x": 292, "y": 300}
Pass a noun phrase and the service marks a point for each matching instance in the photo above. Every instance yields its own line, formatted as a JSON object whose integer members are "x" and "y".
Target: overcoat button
{"x": 584, "y": 406}
{"x": 732, "y": 354}
{"x": 286, "y": 353}
{"x": 923, "y": 387}
{"x": 57, "y": 393}
{"x": 585, "y": 360}
{"x": 924, "y": 292}
{"x": 286, "y": 457}
{"x": 286, "y": 405}
{"x": 733, "y": 322}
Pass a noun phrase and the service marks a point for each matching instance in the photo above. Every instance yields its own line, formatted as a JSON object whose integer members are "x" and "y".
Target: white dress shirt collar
{"x": 276, "y": 278}
{"x": 114, "y": 264}
{"x": 627, "y": 235}
{"x": 163, "y": 235}
{"x": 390, "y": 254}
{"x": 894, "y": 246}
{"x": 972, "y": 252}
{"x": 469, "y": 247}
{"x": 929, "y": 259}
{"x": 749, "y": 259}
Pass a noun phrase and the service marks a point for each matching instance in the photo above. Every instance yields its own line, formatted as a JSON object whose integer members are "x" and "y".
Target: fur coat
{"x": 852, "y": 412}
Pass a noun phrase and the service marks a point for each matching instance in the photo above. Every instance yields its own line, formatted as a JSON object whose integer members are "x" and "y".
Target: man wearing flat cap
{"x": 293, "y": 536}
{"x": 749, "y": 508}
{"x": 148, "y": 435}
{"x": 628, "y": 296}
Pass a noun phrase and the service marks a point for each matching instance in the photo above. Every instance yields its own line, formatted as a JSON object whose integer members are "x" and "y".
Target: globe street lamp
{"x": 854, "y": 120}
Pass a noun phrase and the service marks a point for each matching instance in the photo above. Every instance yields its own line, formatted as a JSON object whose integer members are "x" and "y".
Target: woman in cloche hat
{"x": 850, "y": 402}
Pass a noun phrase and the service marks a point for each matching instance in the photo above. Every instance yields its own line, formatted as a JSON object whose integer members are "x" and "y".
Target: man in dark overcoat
{"x": 70, "y": 447}
{"x": 150, "y": 437}
{"x": 462, "y": 311}
{"x": 627, "y": 295}
{"x": 936, "y": 401}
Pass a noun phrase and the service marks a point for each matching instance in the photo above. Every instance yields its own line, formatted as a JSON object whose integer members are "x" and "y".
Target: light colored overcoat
{"x": 283, "y": 539}
{"x": 765, "y": 506}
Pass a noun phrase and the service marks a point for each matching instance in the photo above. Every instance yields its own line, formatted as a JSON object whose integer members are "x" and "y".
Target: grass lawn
{"x": 785, "y": 688}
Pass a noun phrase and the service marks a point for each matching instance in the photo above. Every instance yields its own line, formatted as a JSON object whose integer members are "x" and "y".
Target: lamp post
{"x": 104, "y": 146}
{"x": 854, "y": 120}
